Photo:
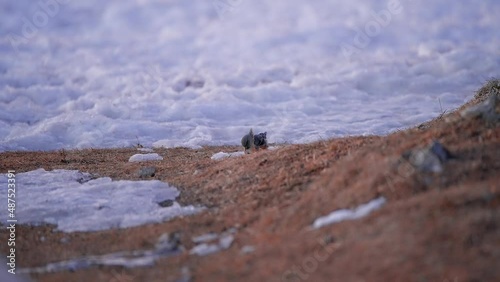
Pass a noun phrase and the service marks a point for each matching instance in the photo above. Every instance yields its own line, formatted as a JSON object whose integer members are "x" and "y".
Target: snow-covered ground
{"x": 77, "y": 74}
{"x": 74, "y": 201}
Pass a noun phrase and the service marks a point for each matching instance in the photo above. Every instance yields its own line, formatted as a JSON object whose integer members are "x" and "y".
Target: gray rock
{"x": 430, "y": 159}
{"x": 440, "y": 151}
{"x": 487, "y": 110}
{"x": 147, "y": 172}
{"x": 226, "y": 241}
{"x": 166, "y": 203}
{"x": 205, "y": 238}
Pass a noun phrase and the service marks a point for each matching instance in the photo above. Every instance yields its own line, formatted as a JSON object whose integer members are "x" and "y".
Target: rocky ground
{"x": 437, "y": 225}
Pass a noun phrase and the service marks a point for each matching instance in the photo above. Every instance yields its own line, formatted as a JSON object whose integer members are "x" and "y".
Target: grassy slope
{"x": 440, "y": 227}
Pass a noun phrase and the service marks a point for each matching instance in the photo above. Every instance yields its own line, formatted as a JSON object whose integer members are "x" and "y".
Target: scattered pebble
{"x": 168, "y": 242}
{"x": 146, "y": 172}
{"x": 226, "y": 241}
{"x": 441, "y": 152}
{"x": 167, "y": 203}
{"x": 349, "y": 214}
{"x": 222, "y": 242}
{"x": 222, "y": 155}
{"x": 204, "y": 249}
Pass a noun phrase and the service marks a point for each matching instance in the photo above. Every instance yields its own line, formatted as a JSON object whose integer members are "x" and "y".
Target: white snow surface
{"x": 74, "y": 201}
{"x": 205, "y": 238}
{"x": 347, "y": 214}
{"x": 224, "y": 155}
{"x": 204, "y": 249}
{"x": 79, "y": 74}
{"x": 145, "y": 157}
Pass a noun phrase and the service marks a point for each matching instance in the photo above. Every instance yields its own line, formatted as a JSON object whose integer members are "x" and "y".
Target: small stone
{"x": 166, "y": 203}
{"x": 430, "y": 159}
{"x": 168, "y": 242}
{"x": 488, "y": 109}
{"x": 147, "y": 172}
{"x": 426, "y": 161}
{"x": 441, "y": 152}
{"x": 226, "y": 241}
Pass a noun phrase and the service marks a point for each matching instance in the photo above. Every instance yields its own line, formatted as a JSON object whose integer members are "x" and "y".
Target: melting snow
{"x": 205, "y": 249}
{"x": 218, "y": 243}
{"x": 74, "y": 201}
{"x": 145, "y": 157}
{"x": 345, "y": 214}
{"x": 205, "y": 238}
{"x": 223, "y": 155}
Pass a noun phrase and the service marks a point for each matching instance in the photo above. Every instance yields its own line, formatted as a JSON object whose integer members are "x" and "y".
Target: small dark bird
{"x": 248, "y": 142}
{"x": 251, "y": 141}
{"x": 260, "y": 140}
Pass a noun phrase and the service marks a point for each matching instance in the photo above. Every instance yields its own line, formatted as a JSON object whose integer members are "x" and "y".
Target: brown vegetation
{"x": 434, "y": 227}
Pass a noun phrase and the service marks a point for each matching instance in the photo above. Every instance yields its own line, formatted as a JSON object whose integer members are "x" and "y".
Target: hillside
{"x": 435, "y": 226}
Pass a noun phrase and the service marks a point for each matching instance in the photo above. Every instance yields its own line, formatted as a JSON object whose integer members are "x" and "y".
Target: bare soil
{"x": 434, "y": 227}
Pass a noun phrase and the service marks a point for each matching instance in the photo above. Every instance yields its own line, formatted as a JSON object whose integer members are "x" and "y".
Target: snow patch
{"x": 101, "y": 73}
{"x": 74, "y": 201}
{"x": 145, "y": 157}
{"x": 205, "y": 238}
{"x": 212, "y": 243}
{"x": 223, "y": 155}
{"x": 349, "y": 214}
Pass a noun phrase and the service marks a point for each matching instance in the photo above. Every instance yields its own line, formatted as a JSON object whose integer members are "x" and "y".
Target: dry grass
{"x": 435, "y": 227}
